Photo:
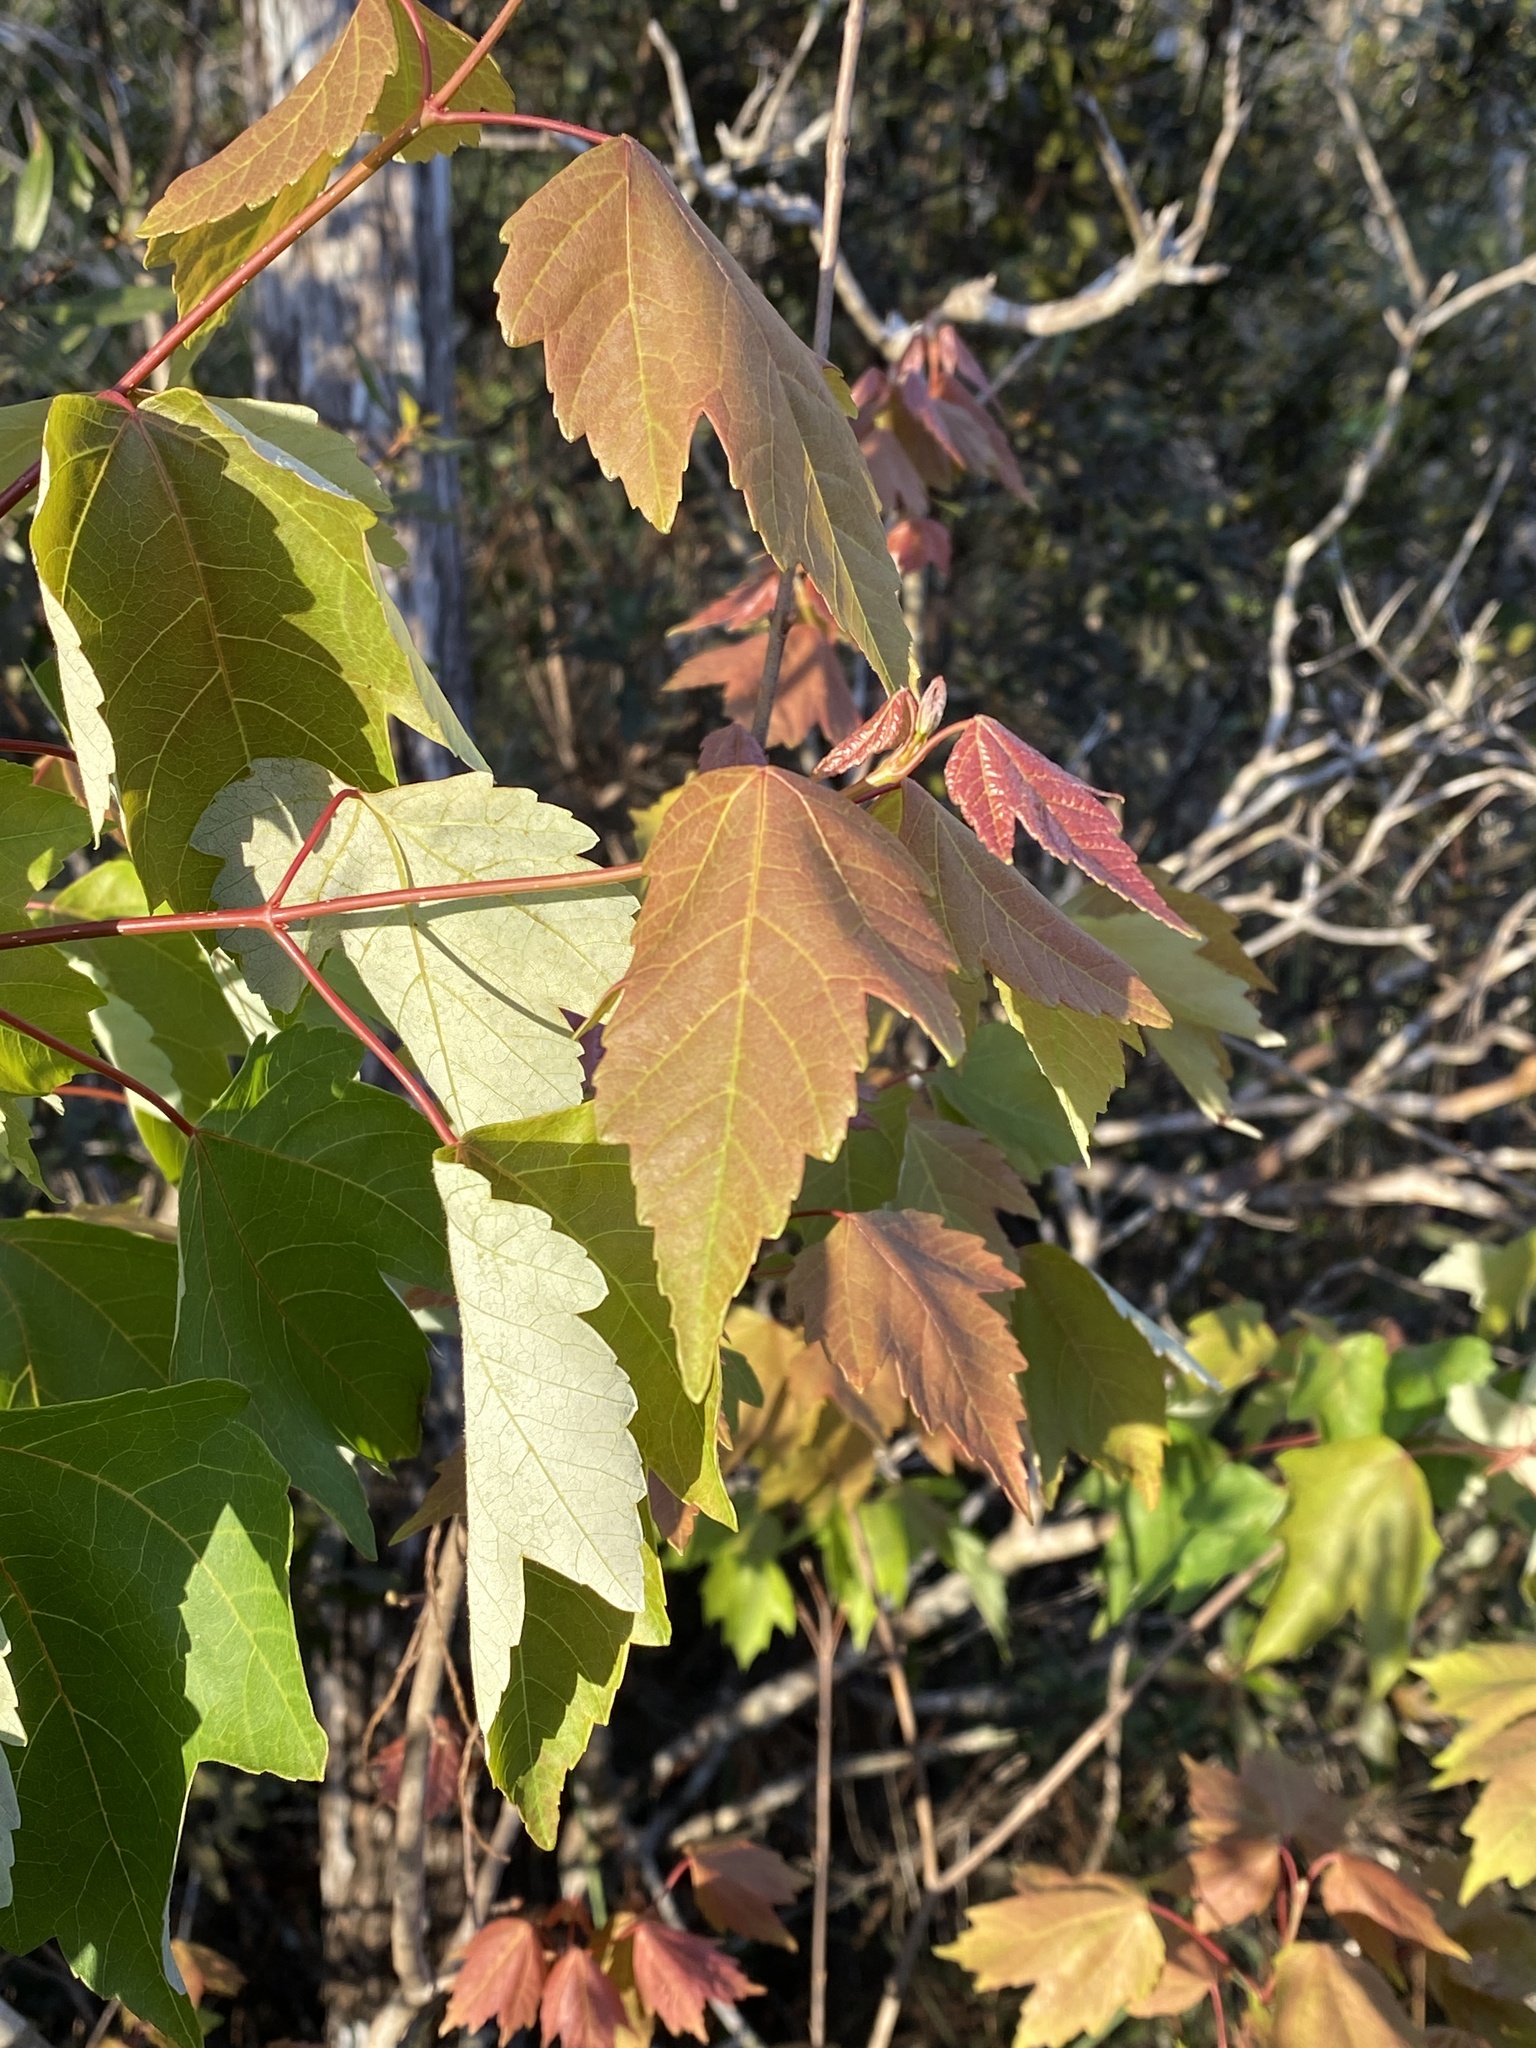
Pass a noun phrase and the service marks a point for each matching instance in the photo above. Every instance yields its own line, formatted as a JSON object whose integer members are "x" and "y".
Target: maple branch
{"x": 1044, "y": 1790}
{"x": 89, "y": 1062}
{"x": 773, "y": 655}
{"x": 901, "y": 1700}
{"x": 444, "y": 1588}
{"x": 822, "y": 1629}
{"x": 414, "y": 1088}
{"x": 1111, "y": 1791}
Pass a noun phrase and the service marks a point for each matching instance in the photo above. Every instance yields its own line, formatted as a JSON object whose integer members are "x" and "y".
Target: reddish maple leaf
{"x": 894, "y": 723}
{"x": 915, "y": 543}
{"x": 896, "y": 476}
{"x": 579, "y": 2005}
{"x": 1356, "y": 1887}
{"x": 730, "y": 746}
{"x": 813, "y": 689}
{"x": 741, "y": 606}
{"x": 897, "y": 1287}
{"x": 677, "y": 1972}
{"x": 501, "y": 1978}
{"x": 999, "y": 782}
{"x": 736, "y": 1886}
{"x": 1235, "y": 1864}
{"x": 443, "y": 1762}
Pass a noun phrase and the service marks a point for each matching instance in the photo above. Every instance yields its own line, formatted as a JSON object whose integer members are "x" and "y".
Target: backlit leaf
{"x": 146, "y": 1545}
{"x": 1321, "y": 1994}
{"x": 477, "y": 990}
{"x": 1500, "y": 1279}
{"x": 1083, "y": 1058}
{"x": 303, "y": 1190}
{"x": 16, "y": 1140}
{"x": 745, "y": 1591}
{"x": 552, "y": 1473}
{"x": 774, "y": 910}
{"x": 38, "y": 827}
{"x": 960, "y": 1177}
{"x": 1486, "y": 1685}
{"x": 737, "y": 1885}
{"x": 501, "y": 1979}
{"x": 898, "y": 1289}
{"x": 647, "y": 323}
{"x": 84, "y": 1311}
{"x": 995, "y": 920}
{"x": 1001, "y": 783}
{"x": 1359, "y": 1537}
{"x": 998, "y": 1087}
{"x": 676, "y": 1973}
{"x": 21, "y": 437}
{"x": 812, "y": 693}
{"x": 1095, "y": 1385}
{"x": 1089, "y": 1946}
{"x": 579, "y": 2006}
{"x": 883, "y": 732}
{"x": 44, "y": 990}
{"x": 1359, "y": 1885}
{"x": 557, "y": 1164}
{"x": 1235, "y": 1861}
{"x": 1342, "y": 1386}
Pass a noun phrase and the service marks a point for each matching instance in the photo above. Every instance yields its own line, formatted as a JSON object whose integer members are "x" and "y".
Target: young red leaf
{"x": 999, "y": 782}
{"x": 812, "y": 691}
{"x": 916, "y": 543}
{"x": 895, "y": 475}
{"x": 741, "y": 606}
{"x": 774, "y": 910}
{"x": 1358, "y": 1886}
{"x": 730, "y": 746}
{"x": 579, "y": 2006}
{"x": 897, "y": 1287}
{"x": 501, "y": 1978}
{"x": 736, "y": 1886}
{"x": 648, "y": 323}
{"x": 677, "y": 1972}
{"x": 443, "y": 1760}
{"x": 893, "y": 723}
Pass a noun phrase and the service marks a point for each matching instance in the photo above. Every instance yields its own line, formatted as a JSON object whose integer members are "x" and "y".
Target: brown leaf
{"x": 501, "y": 1978}
{"x": 443, "y": 1760}
{"x": 774, "y": 910}
{"x": 918, "y": 544}
{"x": 203, "y": 1969}
{"x": 967, "y": 433}
{"x": 647, "y": 323}
{"x": 999, "y": 782}
{"x": 1088, "y": 1945}
{"x": 1235, "y": 1866}
{"x": 579, "y": 2004}
{"x": 674, "y": 1518}
{"x": 1323, "y": 1996}
{"x": 1188, "y": 1976}
{"x": 897, "y": 1288}
{"x": 1357, "y": 1885}
{"x": 736, "y": 1886}
{"x": 894, "y": 723}
{"x": 1304, "y": 1812}
{"x": 677, "y": 1972}
{"x": 730, "y": 746}
{"x": 812, "y": 691}
{"x": 995, "y": 920}
{"x": 443, "y": 1499}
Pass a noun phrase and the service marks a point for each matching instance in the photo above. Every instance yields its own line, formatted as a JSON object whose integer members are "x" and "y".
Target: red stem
{"x": 500, "y": 120}
{"x": 1220, "y": 2013}
{"x": 414, "y": 17}
{"x": 1213, "y": 1949}
{"x": 415, "y": 1089}
{"x": 54, "y": 749}
{"x": 435, "y": 101}
{"x": 312, "y": 839}
{"x": 95, "y": 1094}
{"x": 103, "y": 1067}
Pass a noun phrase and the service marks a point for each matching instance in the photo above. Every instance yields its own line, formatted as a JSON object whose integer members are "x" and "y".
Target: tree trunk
{"x": 356, "y": 313}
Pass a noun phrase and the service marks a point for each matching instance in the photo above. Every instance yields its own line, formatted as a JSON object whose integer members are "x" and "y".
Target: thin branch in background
{"x": 1112, "y": 1788}
{"x": 444, "y": 1589}
{"x": 823, "y": 1628}
{"x": 901, "y": 1700}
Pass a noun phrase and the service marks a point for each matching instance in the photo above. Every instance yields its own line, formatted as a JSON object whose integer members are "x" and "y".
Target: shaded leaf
{"x": 774, "y": 910}
{"x": 677, "y": 1972}
{"x": 1235, "y": 1863}
{"x": 1089, "y": 1946}
{"x": 897, "y": 1288}
{"x": 1321, "y": 1994}
{"x": 812, "y": 694}
{"x": 1359, "y": 1537}
{"x": 21, "y": 438}
{"x": 1000, "y": 783}
{"x": 958, "y": 1175}
{"x": 1488, "y": 1686}
{"x": 552, "y": 1473}
{"x": 737, "y": 1886}
{"x": 303, "y": 1189}
{"x": 579, "y": 2006}
{"x": 38, "y": 828}
{"x": 1491, "y": 1996}
{"x": 84, "y": 1311}
{"x": 998, "y": 1088}
{"x": 919, "y": 544}
{"x": 12, "y": 1732}
{"x": 730, "y": 746}
{"x": 1359, "y": 1885}
{"x": 647, "y": 323}
{"x": 501, "y": 1978}
{"x": 444, "y": 1756}
{"x": 443, "y": 1499}
{"x": 477, "y": 990}
{"x": 1095, "y": 1385}
{"x": 146, "y": 1541}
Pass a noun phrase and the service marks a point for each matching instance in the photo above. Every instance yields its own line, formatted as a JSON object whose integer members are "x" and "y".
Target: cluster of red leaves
{"x": 923, "y": 422}
{"x": 582, "y": 1986}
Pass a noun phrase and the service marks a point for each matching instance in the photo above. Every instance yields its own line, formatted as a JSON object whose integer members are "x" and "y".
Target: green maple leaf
{"x": 552, "y": 1475}
{"x": 1359, "y": 1536}
{"x": 21, "y": 437}
{"x": 144, "y": 1549}
{"x": 38, "y": 827}
{"x": 85, "y": 1310}
{"x": 557, "y": 1164}
{"x": 46, "y": 991}
{"x": 303, "y": 1191}
{"x": 476, "y": 989}
{"x": 999, "y": 1088}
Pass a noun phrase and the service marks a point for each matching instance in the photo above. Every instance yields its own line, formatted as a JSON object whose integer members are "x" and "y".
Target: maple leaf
{"x": 444, "y": 1498}
{"x": 743, "y": 605}
{"x": 1190, "y": 1973}
{"x": 999, "y": 783}
{"x": 1356, "y": 1885}
{"x": 898, "y": 1288}
{"x": 959, "y": 1175}
{"x": 896, "y": 477}
{"x": 737, "y": 1885}
{"x": 1082, "y": 1057}
{"x": 443, "y": 1760}
{"x": 732, "y": 746}
{"x": 1485, "y": 1685}
{"x": 812, "y": 691}
{"x": 579, "y": 2005}
{"x": 1359, "y": 1534}
{"x": 774, "y": 909}
{"x": 677, "y": 1972}
{"x": 500, "y": 1978}
{"x": 1235, "y": 1864}
{"x": 918, "y": 544}
{"x": 894, "y": 723}
{"x": 1321, "y": 1994}
{"x": 647, "y": 323}
{"x": 1088, "y": 1945}
{"x": 1095, "y": 1384}
{"x": 995, "y": 920}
